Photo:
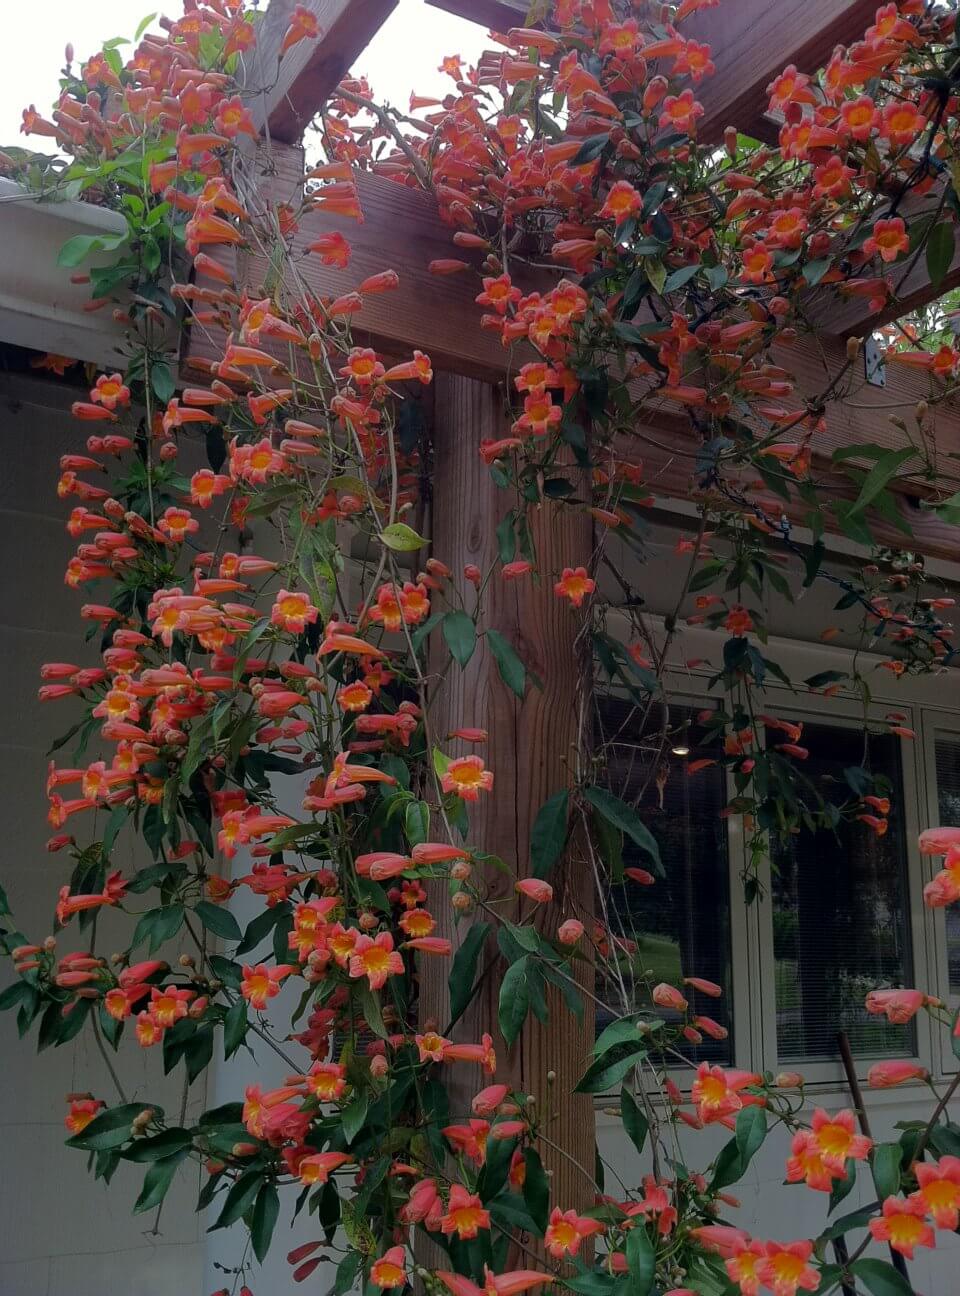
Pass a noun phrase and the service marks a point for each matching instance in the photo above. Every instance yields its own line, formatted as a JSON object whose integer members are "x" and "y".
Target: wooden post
{"x": 531, "y": 751}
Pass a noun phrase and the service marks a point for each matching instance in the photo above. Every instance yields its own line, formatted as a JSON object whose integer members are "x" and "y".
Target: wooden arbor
{"x": 534, "y": 738}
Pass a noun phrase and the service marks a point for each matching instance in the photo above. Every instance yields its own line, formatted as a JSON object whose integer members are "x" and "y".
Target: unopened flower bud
{"x": 462, "y": 902}
{"x": 922, "y": 410}
{"x": 460, "y": 870}
{"x": 730, "y": 141}
{"x": 186, "y": 961}
{"x": 853, "y": 348}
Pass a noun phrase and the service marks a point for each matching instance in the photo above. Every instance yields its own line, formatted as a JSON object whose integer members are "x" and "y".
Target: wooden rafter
{"x": 286, "y": 91}
{"x": 403, "y": 231}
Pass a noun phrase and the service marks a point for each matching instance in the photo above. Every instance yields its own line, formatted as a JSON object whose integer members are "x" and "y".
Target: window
{"x": 947, "y": 766}
{"x": 840, "y": 910}
{"x": 681, "y": 925}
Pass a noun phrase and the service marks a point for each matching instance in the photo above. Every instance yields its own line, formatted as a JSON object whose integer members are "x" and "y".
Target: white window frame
{"x": 935, "y": 722}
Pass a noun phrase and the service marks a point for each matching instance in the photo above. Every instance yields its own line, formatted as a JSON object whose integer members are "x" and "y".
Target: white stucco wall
{"x": 61, "y": 1234}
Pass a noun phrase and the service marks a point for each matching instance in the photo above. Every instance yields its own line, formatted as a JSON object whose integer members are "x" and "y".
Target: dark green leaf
{"x": 625, "y": 818}
{"x": 460, "y": 634}
{"x": 536, "y": 1189}
{"x": 416, "y": 822}
{"x": 514, "y": 1000}
{"x": 347, "y": 1271}
{"x": 607, "y": 1071}
{"x": 352, "y": 1116}
{"x": 549, "y": 834}
{"x": 880, "y": 1278}
{"x": 463, "y": 970}
{"x": 939, "y": 252}
{"x": 159, "y": 1147}
{"x": 641, "y": 1262}
{"x": 109, "y": 1129}
{"x": 634, "y": 1121}
{"x": 885, "y": 1164}
{"x": 264, "y": 1220}
{"x": 677, "y": 278}
{"x": 218, "y": 920}
{"x": 882, "y": 472}
{"x": 157, "y": 1180}
{"x": 239, "y": 1199}
{"x": 511, "y": 668}
{"x": 750, "y": 1133}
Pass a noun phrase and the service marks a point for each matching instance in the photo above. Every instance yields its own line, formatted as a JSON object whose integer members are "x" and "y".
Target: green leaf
{"x": 109, "y": 1129}
{"x": 549, "y": 834}
{"x": 347, "y": 1271}
{"x": 514, "y": 1001}
{"x": 847, "y": 1223}
{"x": 402, "y": 538}
{"x": 634, "y": 1121}
{"x": 511, "y": 668}
{"x": 258, "y": 929}
{"x": 265, "y": 1214}
{"x": 162, "y": 381}
{"x": 159, "y": 1147}
{"x": 750, "y": 1132}
{"x": 144, "y": 25}
{"x": 881, "y": 1278}
{"x": 463, "y": 970}
{"x": 235, "y": 1026}
{"x": 677, "y": 278}
{"x": 625, "y": 818}
{"x": 536, "y": 1190}
{"x": 10, "y": 997}
{"x": 590, "y": 149}
{"x": 157, "y": 1180}
{"x": 641, "y": 1262}
{"x": 885, "y": 1164}
{"x": 218, "y": 920}
{"x": 416, "y": 822}
{"x": 158, "y": 925}
{"x": 880, "y": 475}
{"x": 607, "y": 1071}
{"x": 81, "y": 246}
{"x": 239, "y": 1199}
{"x": 939, "y": 252}
{"x": 592, "y": 1283}
{"x": 352, "y": 1116}
{"x": 460, "y": 635}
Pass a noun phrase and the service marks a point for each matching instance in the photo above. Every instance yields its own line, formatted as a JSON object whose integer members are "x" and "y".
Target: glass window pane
{"x": 947, "y": 754}
{"x": 680, "y": 926}
{"x": 840, "y": 911}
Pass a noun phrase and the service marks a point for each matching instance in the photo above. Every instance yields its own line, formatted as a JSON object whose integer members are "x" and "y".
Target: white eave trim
{"x": 39, "y": 306}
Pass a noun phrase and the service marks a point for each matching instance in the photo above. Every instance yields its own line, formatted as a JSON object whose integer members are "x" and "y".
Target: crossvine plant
{"x": 263, "y": 719}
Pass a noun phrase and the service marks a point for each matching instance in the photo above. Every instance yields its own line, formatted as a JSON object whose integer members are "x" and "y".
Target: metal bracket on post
{"x": 874, "y": 363}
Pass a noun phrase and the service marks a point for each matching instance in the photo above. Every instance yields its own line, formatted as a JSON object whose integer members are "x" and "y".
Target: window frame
{"x": 752, "y": 963}
{"x": 933, "y": 723}
{"x": 843, "y": 713}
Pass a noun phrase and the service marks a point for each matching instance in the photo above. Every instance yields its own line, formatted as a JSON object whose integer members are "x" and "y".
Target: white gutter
{"x": 39, "y": 306}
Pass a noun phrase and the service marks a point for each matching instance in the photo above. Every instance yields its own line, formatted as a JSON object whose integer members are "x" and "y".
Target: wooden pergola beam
{"x": 286, "y": 91}
{"x": 752, "y": 41}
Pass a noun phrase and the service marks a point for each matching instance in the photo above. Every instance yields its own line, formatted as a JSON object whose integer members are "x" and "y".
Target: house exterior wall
{"x": 61, "y": 1233}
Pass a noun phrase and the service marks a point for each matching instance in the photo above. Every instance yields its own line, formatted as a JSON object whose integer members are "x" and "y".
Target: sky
{"x": 403, "y": 56}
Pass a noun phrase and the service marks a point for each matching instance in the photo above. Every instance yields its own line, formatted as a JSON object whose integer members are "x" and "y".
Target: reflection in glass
{"x": 840, "y": 911}
{"x": 947, "y": 755}
{"x": 680, "y": 926}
